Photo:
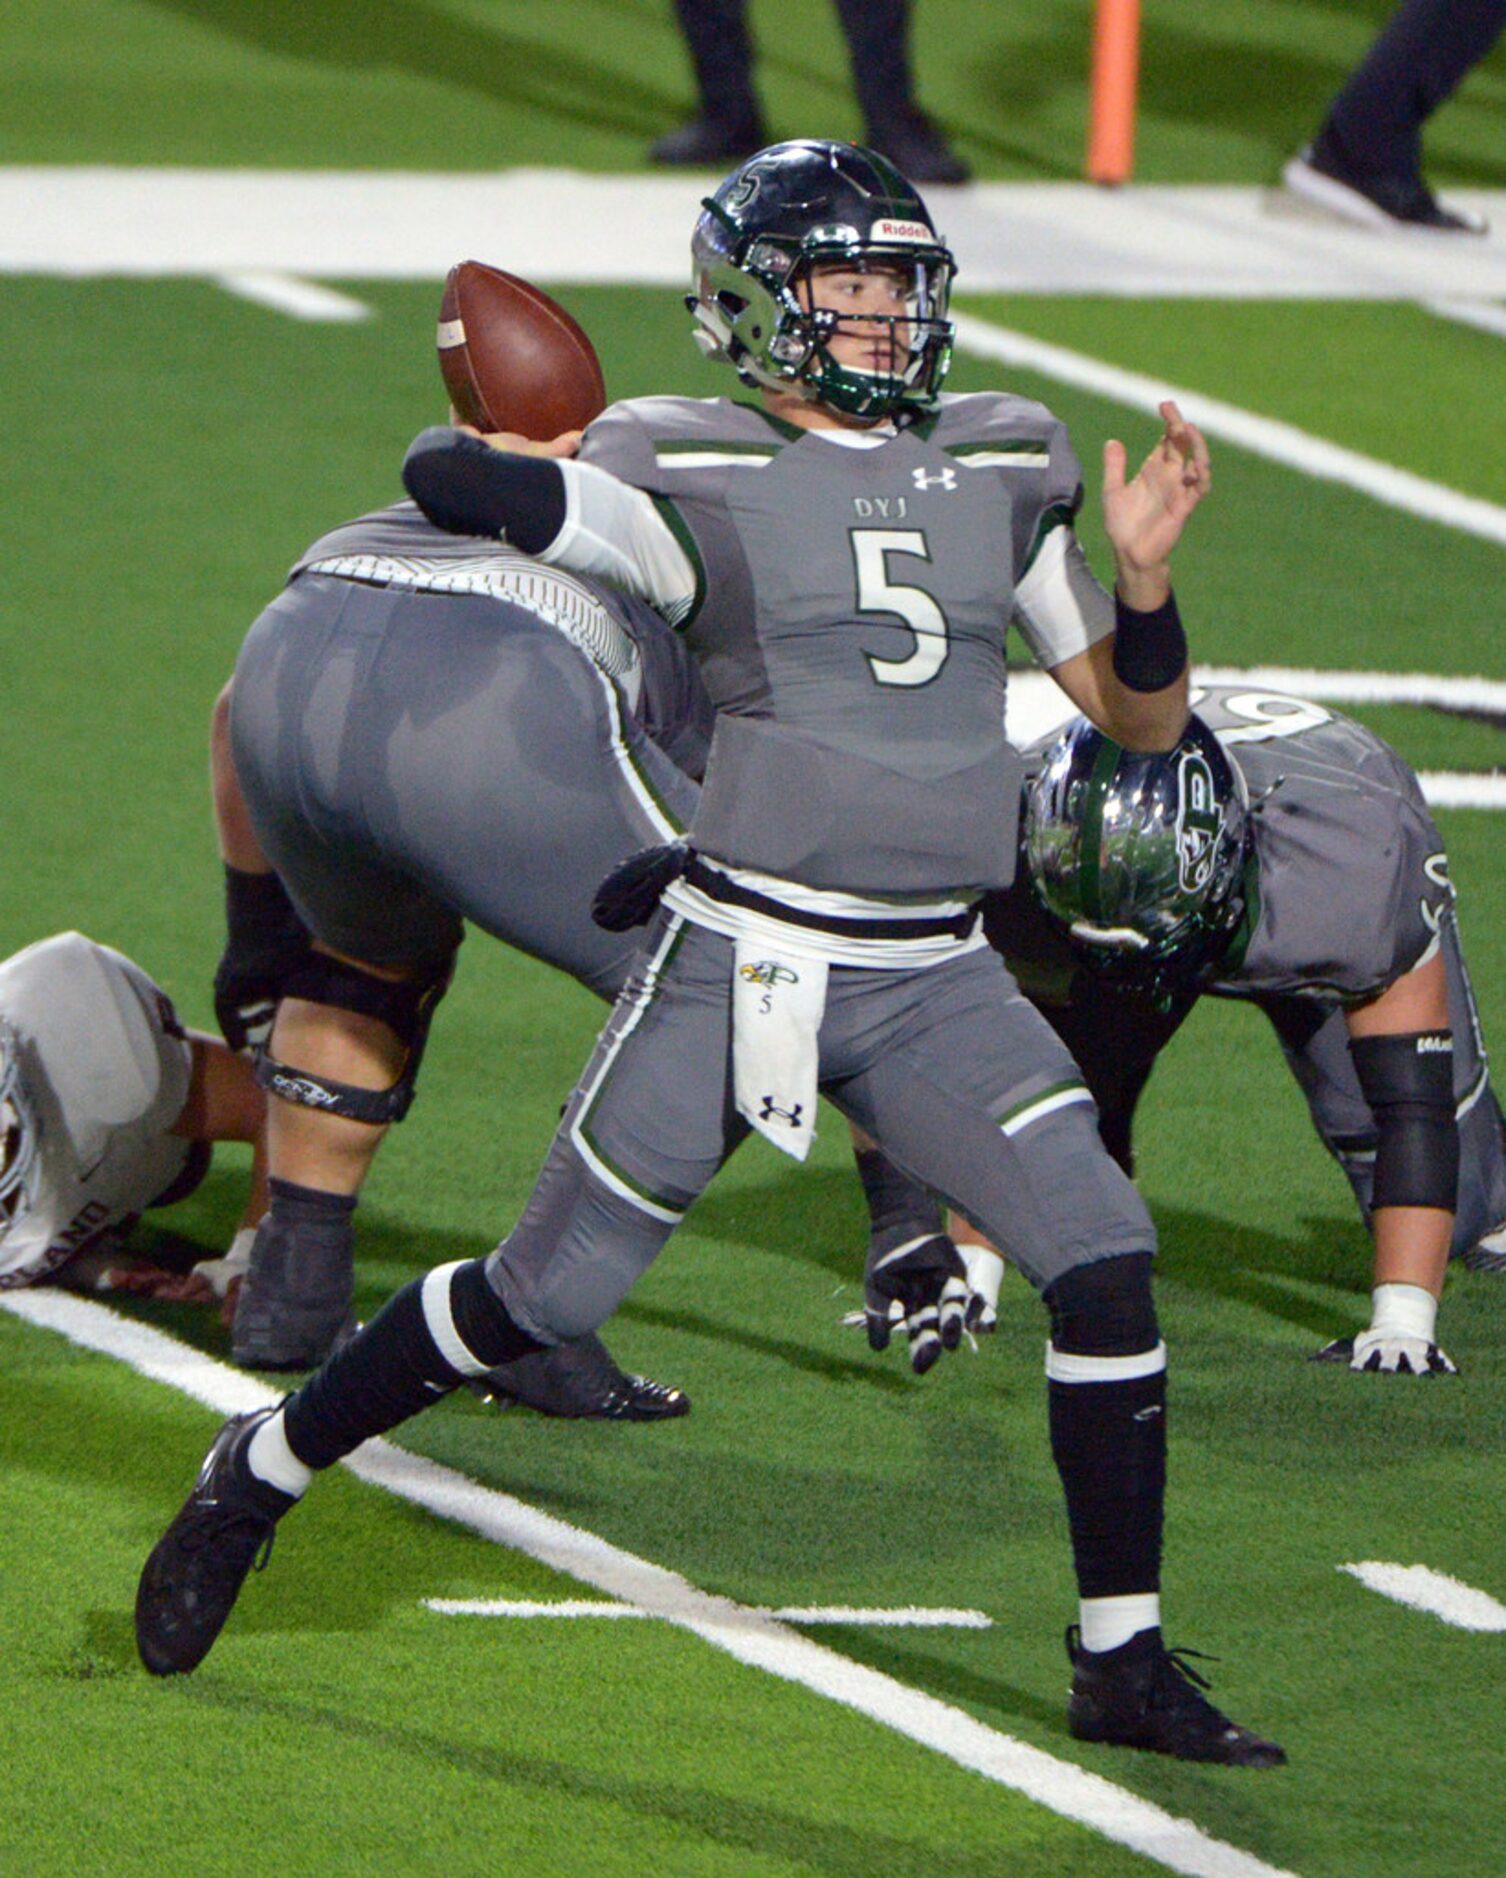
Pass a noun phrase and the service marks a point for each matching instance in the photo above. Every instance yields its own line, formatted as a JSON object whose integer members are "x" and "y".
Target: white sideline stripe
{"x": 758, "y": 1641}
{"x": 302, "y": 299}
{"x": 1263, "y": 436}
{"x": 1484, "y": 314}
{"x": 1436, "y": 1593}
{"x": 916, "y": 1617}
{"x": 1037, "y": 705}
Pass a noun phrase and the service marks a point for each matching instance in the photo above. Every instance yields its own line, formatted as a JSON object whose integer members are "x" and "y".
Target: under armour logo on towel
{"x": 771, "y": 1108}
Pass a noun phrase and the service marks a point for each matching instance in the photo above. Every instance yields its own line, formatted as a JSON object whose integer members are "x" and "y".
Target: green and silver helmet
{"x": 18, "y": 1136}
{"x": 1140, "y": 856}
{"x": 787, "y": 210}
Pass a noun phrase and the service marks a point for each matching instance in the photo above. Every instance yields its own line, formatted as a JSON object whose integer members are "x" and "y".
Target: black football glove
{"x": 927, "y": 1282}
{"x": 266, "y": 941}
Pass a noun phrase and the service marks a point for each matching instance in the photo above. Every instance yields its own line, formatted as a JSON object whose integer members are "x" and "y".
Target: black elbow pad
{"x": 1408, "y": 1080}
{"x": 467, "y": 488}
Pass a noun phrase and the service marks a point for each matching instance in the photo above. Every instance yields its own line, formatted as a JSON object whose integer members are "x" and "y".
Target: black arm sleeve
{"x": 467, "y": 488}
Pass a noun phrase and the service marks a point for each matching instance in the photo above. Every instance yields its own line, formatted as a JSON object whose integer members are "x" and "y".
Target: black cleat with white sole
{"x": 1143, "y": 1695}
{"x": 191, "y": 1581}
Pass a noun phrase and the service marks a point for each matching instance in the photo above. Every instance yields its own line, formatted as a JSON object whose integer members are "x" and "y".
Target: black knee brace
{"x": 406, "y": 1007}
{"x": 1408, "y": 1081}
{"x": 1104, "y": 1309}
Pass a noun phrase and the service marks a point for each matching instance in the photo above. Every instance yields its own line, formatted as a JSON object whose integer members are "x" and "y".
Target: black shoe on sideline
{"x": 708, "y": 143}
{"x": 191, "y": 1581}
{"x": 1143, "y": 1695}
{"x": 1317, "y": 175}
{"x": 913, "y": 145}
{"x": 580, "y": 1382}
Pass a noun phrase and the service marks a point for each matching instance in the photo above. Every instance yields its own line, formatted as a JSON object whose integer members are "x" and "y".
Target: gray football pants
{"x": 1321, "y": 1062}
{"x": 412, "y": 759}
{"x": 950, "y": 1069}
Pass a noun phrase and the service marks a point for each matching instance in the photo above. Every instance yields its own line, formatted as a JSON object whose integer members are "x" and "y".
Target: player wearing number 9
{"x": 1322, "y": 896}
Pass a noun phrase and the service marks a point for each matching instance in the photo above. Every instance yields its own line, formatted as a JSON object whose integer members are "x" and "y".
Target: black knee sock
{"x": 394, "y": 1367}
{"x": 1107, "y": 1370}
{"x": 1108, "y": 1440}
{"x": 310, "y": 1214}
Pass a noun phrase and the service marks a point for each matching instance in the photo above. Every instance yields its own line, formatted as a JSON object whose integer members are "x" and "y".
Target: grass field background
{"x": 172, "y": 449}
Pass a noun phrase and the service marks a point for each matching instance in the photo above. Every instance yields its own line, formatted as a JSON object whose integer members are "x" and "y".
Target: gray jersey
{"x": 853, "y": 596}
{"x": 400, "y": 549}
{"x": 429, "y": 727}
{"x": 1349, "y": 891}
{"x": 105, "y": 1068}
{"x": 1351, "y": 873}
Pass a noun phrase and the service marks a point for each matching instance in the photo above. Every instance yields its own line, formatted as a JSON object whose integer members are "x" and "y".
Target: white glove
{"x": 985, "y": 1273}
{"x": 1399, "y": 1341}
{"x": 219, "y": 1274}
{"x": 1399, "y": 1356}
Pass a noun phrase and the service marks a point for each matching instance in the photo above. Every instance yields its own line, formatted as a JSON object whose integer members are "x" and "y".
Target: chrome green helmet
{"x": 1140, "y": 856}
{"x": 796, "y": 206}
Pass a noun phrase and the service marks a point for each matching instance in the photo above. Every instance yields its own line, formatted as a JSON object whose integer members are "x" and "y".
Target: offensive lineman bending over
{"x": 851, "y": 552}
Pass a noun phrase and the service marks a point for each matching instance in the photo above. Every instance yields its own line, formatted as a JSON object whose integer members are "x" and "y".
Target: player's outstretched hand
{"x": 927, "y": 1280}
{"x": 1144, "y": 518}
{"x": 1379, "y": 1354}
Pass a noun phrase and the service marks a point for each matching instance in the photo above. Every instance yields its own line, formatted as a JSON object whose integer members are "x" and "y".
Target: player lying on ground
{"x": 108, "y": 1108}
{"x": 845, "y": 557}
{"x": 1306, "y": 878}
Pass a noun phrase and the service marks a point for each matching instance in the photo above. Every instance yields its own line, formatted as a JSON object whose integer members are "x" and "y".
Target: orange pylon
{"x": 1116, "y": 72}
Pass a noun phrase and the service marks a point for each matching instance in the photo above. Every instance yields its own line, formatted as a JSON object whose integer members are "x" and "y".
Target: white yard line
{"x": 751, "y": 1636}
{"x": 1262, "y": 436}
{"x": 299, "y": 299}
{"x": 912, "y": 1618}
{"x": 1436, "y": 1593}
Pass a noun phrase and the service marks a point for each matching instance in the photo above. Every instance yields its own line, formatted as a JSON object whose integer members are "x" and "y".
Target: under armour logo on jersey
{"x": 771, "y": 1108}
{"x": 943, "y": 479}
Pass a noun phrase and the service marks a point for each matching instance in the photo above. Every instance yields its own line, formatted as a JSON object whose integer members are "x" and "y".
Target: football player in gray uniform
{"x": 1323, "y": 897}
{"x": 1293, "y": 864}
{"x": 108, "y": 1107}
{"x": 423, "y": 729}
{"x": 844, "y": 554}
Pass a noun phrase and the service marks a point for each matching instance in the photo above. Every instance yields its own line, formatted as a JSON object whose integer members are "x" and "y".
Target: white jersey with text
{"x": 105, "y": 1069}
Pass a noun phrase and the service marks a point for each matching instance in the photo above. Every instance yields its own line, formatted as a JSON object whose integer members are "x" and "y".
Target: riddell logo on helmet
{"x": 900, "y": 231}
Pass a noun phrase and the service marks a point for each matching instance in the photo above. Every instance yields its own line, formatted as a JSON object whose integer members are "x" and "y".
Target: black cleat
{"x": 1143, "y": 1695}
{"x": 580, "y": 1382}
{"x": 709, "y": 143}
{"x": 1319, "y": 175}
{"x": 915, "y": 146}
{"x": 191, "y": 1581}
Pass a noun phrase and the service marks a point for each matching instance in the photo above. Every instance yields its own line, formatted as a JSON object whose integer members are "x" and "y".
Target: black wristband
{"x": 1150, "y": 649}
{"x": 467, "y": 488}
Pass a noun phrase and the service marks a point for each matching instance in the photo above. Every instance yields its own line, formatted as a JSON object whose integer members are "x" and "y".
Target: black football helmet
{"x": 787, "y": 210}
{"x": 1140, "y": 856}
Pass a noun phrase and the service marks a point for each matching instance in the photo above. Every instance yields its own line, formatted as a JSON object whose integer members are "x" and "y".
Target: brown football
{"x": 512, "y": 358}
